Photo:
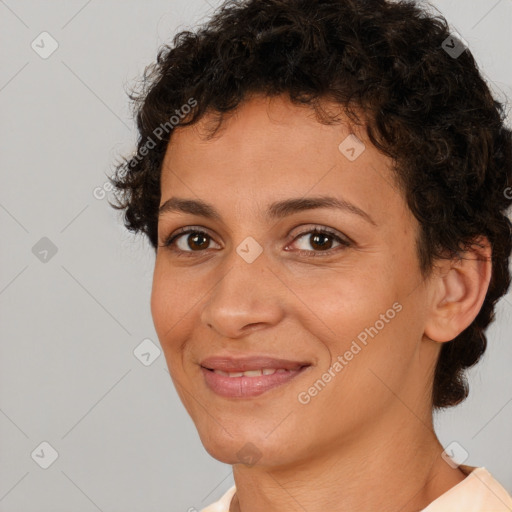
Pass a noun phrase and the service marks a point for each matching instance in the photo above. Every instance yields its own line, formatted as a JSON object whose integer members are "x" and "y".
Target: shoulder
{"x": 478, "y": 492}
{"x": 221, "y": 505}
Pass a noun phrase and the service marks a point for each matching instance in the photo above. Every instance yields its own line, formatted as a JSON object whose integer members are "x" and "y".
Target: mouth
{"x": 249, "y": 377}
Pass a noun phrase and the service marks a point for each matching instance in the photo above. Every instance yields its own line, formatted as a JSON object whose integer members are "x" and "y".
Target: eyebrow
{"x": 276, "y": 210}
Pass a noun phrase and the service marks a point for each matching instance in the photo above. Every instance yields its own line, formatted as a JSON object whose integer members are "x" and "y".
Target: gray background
{"x": 70, "y": 323}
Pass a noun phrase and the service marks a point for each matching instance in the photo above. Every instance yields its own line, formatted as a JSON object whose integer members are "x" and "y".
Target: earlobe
{"x": 459, "y": 290}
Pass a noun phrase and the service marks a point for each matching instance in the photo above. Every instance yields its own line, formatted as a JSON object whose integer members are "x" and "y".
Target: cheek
{"x": 345, "y": 302}
{"x": 175, "y": 299}
{"x": 168, "y": 302}
{"x": 357, "y": 315}
{"x": 165, "y": 310}
{"x": 158, "y": 302}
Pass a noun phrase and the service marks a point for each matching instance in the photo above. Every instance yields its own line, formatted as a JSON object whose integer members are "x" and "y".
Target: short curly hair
{"x": 428, "y": 109}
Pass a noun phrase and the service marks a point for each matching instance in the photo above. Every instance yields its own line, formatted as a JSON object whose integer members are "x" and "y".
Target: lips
{"x": 249, "y": 377}
{"x": 232, "y": 365}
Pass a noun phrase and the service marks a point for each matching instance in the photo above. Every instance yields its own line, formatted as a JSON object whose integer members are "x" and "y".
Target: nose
{"x": 249, "y": 296}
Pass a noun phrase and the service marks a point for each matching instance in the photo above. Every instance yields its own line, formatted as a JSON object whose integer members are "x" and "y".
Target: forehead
{"x": 269, "y": 149}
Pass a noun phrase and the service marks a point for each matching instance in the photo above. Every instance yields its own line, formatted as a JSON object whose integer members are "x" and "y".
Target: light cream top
{"x": 478, "y": 492}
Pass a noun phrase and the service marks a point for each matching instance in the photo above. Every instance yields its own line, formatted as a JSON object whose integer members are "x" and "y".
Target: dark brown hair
{"x": 427, "y": 108}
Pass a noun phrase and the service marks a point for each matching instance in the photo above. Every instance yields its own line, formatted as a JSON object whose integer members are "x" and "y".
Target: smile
{"x": 249, "y": 383}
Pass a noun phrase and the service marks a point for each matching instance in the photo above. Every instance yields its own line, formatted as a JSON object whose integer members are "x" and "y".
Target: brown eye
{"x": 189, "y": 240}
{"x": 319, "y": 240}
{"x": 197, "y": 241}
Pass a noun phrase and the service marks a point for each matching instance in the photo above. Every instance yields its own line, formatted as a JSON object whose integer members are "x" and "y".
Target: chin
{"x": 233, "y": 450}
{"x": 251, "y": 449}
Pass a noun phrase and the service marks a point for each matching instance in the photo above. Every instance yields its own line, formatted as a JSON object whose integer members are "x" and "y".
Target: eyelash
{"x": 170, "y": 242}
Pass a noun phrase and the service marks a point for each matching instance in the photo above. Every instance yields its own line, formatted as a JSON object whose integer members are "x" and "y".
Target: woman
{"x": 325, "y": 186}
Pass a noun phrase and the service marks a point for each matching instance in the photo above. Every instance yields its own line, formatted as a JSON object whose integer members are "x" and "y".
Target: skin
{"x": 366, "y": 440}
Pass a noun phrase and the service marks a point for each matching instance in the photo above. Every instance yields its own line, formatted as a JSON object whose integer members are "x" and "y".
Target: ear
{"x": 458, "y": 291}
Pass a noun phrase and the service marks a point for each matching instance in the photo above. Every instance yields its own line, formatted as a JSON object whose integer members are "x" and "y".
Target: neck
{"x": 401, "y": 470}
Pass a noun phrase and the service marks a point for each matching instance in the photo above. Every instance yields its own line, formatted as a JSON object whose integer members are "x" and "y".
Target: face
{"x": 333, "y": 286}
